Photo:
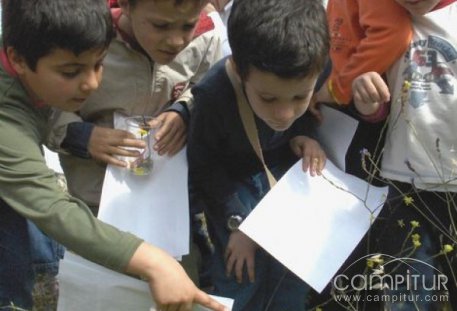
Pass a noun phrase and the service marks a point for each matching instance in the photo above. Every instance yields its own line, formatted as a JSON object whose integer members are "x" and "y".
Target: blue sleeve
{"x": 207, "y": 173}
{"x": 181, "y": 108}
{"x": 77, "y": 139}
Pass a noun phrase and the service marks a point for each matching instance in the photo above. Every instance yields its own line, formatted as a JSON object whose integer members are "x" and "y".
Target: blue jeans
{"x": 24, "y": 251}
{"x": 275, "y": 288}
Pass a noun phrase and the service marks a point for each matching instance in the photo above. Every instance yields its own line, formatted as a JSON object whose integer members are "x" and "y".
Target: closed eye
{"x": 70, "y": 74}
{"x": 189, "y": 27}
{"x": 268, "y": 99}
{"x": 160, "y": 26}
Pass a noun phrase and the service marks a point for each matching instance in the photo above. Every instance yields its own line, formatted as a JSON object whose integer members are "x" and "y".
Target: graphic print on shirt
{"x": 430, "y": 69}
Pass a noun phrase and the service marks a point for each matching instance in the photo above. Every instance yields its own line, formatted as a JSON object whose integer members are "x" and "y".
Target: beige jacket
{"x": 132, "y": 85}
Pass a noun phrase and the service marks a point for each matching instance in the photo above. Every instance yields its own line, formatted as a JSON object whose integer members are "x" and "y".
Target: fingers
{"x": 373, "y": 89}
{"x": 314, "y": 163}
{"x": 105, "y": 144}
{"x": 370, "y": 91}
{"x": 230, "y": 262}
{"x": 233, "y": 266}
{"x": 205, "y": 300}
{"x": 171, "y": 136}
{"x": 171, "y": 143}
{"x": 239, "y": 264}
{"x": 250, "y": 265}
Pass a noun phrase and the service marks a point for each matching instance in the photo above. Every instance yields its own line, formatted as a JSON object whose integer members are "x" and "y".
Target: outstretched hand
{"x": 170, "y": 286}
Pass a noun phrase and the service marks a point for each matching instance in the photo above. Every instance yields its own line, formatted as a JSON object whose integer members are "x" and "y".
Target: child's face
{"x": 61, "y": 79}
{"x": 278, "y": 101}
{"x": 418, "y": 7}
{"x": 161, "y": 28}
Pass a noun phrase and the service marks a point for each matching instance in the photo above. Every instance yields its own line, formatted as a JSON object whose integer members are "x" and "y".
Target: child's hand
{"x": 240, "y": 251}
{"x": 170, "y": 286}
{"x": 370, "y": 92}
{"x": 313, "y": 156}
{"x": 107, "y": 144}
{"x": 171, "y": 136}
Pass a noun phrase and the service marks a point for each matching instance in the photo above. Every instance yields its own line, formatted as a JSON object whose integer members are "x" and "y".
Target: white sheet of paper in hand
{"x": 311, "y": 225}
{"x": 335, "y": 134}
{"x": 154, "y": 207}
{"x": 84, "y": 285}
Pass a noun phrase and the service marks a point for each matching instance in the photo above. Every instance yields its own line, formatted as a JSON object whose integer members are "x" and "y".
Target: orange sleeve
{"x": 381, "y": 35}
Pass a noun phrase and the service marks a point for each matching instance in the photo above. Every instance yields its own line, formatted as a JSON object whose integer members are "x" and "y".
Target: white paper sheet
{"x": 84, "y": 285}
{"x": 335, "y": 134}
{"x": 311, "y": 225}
{"x": 52, "y": 160}
{"x": 154, "y": 207}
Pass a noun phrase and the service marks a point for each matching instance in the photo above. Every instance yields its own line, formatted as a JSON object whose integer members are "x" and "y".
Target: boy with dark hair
{"x": 249, "y": 117}
{"x": 161, "y": 49}
{"x": 52, "y": 58}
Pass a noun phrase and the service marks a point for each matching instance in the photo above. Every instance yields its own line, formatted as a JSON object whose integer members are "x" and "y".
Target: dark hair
{"x": 34, "y": 28}
{"x": 132, "y": 3}
{"x": 288, "y": 38}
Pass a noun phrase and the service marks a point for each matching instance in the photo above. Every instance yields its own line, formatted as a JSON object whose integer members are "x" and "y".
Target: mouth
{"x": 170, "y": 53}
{"x": 280, "y": 127}
{"x": 79, "y": 99}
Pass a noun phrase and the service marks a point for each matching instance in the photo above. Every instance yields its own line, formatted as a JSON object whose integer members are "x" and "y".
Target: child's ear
{"x": 235, "y": 68}
{"x": 17, "y": 61}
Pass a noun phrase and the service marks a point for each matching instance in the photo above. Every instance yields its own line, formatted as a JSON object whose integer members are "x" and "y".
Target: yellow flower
{"x": 408, "y": 200}
{"x": 416, "y": 240}
{"x": 414, "y": 223}
{"x": 447, "y": 248}
{"x": 401, "y": 223}
{"x": 417, "y": 244}
{"x": 319, "y": 309}
{"x": 139, "y": 171}
{"x": 406, "y": 85}
{"x": 142, "y": 132}
{"x": 374, "y": 260}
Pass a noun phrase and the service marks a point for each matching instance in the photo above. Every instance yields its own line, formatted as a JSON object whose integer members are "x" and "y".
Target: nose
{"x": 177, "y": 40}
{"x": 284, "y": 113}
{"x": 91, "y": 80}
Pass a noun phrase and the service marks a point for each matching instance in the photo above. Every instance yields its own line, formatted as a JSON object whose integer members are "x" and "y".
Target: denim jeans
{"x": 24, "y": 251}
{"x": 275, "y": 288}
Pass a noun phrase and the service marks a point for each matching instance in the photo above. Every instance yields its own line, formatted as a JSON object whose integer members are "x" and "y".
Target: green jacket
{"x": 29, "y": 187}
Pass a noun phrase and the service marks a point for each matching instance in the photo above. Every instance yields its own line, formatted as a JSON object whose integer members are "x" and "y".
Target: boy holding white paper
{"x": 248, "y": 117}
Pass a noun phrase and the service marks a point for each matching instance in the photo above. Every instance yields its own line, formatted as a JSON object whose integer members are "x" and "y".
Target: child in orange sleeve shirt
{"x": 365, "y": 36}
